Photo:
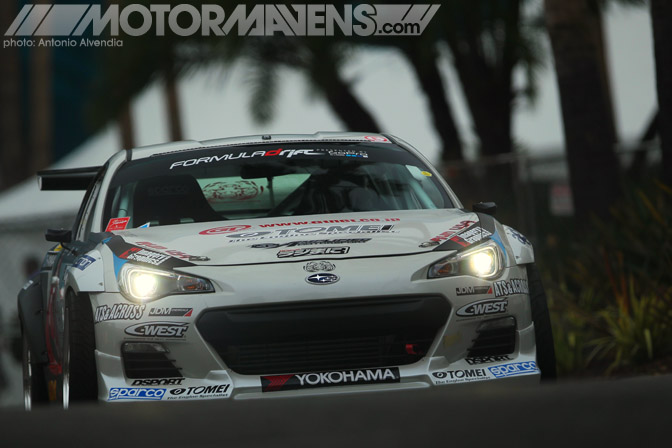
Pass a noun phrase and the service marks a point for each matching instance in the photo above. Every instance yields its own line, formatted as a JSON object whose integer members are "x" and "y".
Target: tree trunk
{"x": 13, "y": 159}
{"x": 126, "y": 127}
{"x": 586, "y": 112}
{"x": 661, "y": 19}
{"x": 41, "y": 106}
{"x": 173, "y": 106}
{"x": 424, "y": 59}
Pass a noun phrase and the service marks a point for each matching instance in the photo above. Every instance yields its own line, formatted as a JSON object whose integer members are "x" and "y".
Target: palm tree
{"x": 574, "y": 27}
{"x": 661, "y": 19}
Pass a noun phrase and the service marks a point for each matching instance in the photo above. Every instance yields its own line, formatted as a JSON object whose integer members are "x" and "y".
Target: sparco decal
{"x": 118, "y": 311}
{"x": 289, "y": 253}
{"x": 487, "y": 359}
{"x": 144, "y": 256}
{"x": 516, "y": 368}
{"x": 203, "y": 392}
{"x": 158, "y": 329}
{"x": 326, "y": 379}
{"x": 171, "y": 312}
{"x": 135, "y": 393}
{"x": 510, "y": 287}
{"x": 483, "y": 308}
{"x": 314, "y": 230}
{"x": 473, "y": 290}
{"x": 310, "y": 243}
{"x": 158, "y": 382}
{"x": 245, "y": 155}
{"x": 459, "y": 376}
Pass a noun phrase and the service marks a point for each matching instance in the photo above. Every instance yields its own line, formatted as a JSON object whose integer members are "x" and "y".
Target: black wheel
{"x": 79, "y": 378}
{"x": 34, "y": 384}
{"x": 543, "y": 333}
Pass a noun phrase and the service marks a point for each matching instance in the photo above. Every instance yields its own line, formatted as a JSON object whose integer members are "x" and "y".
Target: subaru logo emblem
{"x": 322, "y": 278}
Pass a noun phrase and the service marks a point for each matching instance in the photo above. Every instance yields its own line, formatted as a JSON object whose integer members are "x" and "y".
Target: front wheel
{"x": 79, "y": 377}
{"x": 543, "y": 333}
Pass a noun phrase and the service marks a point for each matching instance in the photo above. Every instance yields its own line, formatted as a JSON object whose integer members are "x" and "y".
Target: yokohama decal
{"x": 326, "y": 379}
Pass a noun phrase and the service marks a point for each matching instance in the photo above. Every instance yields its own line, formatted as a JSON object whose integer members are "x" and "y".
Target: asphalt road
{"x": 633, "y": 413}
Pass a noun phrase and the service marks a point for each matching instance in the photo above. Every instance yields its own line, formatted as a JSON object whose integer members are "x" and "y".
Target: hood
{"x": 272, "y": 240}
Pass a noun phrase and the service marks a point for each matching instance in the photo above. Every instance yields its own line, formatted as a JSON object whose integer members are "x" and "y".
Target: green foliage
{"x": 612, "y": 300}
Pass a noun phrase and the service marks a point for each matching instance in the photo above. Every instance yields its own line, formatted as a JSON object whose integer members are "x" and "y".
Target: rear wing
{"x": 67, "y": 179}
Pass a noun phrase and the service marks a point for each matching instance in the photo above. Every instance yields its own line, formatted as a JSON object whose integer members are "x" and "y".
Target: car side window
{"x": 84, "y": 225}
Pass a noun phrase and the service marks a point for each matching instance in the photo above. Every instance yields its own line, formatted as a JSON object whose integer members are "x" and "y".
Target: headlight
{"x": 485, "y": 261}
{"x": 144, "y": 284}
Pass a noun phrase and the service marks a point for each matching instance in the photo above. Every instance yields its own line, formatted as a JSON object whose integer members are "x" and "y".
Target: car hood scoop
{"x": 337, "y": 236}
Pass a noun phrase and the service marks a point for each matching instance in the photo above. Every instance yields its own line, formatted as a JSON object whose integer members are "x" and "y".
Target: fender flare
{"x": 30, "y": 304}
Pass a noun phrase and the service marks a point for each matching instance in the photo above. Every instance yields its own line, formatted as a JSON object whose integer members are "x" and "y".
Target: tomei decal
{"x": 312, "y": 230}
{"x": 244, "y": 155}
{"x": 171, "y": 312}
{"x": 118, "y": 311}
{"x": 224, "y": 229}
{"x": 288, "y": 253}
{"x": 144, "y": 256}
{"x": 483, "y": 308}
{"x": 510, "y": 287}
{"x": 459, "y": 376}
{"x": 487, "y": 359}
{"x": 83, "y": 262}
{"x": 135, "y": 393}
{"x": 117, "y": 224}
{"x": 516, "y": 368}
{"x": 473, "y": 290}
{"x": 326, "y": 379}
{"x": 158, "y": 382}
{"x": 199, "y": 392}
{"x": 158, "y": 329}
{"x": 322, "y": 279}
{"x": 329, "y": 221}
{"x": 311, "y": 243}
{"x": 319, "y": 266}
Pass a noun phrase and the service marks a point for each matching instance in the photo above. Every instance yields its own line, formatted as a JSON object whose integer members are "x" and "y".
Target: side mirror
{"x": 489, "y": 208}
{"x": 58, "y": 235}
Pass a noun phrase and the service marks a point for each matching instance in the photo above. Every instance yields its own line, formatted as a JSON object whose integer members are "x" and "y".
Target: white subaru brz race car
{"x": 280, "y": 265}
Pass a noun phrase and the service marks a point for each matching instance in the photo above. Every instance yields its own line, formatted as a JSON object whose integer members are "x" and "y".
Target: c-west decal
{"x": 326, "y": 379}
{"x": 483, "y": 308}
{"x": 158, "y": 329}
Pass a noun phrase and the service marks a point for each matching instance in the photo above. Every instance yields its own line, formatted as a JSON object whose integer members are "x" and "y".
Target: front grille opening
{"x": 147, "y": 364}
{"x": 330, "y": 335}
{"x": 494, "y": 337}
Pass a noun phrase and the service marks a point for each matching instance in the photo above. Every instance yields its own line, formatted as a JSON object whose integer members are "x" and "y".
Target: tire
{"x": 79, "y": 379}
{"x": 34, "y": 383}
{"x": 543, "y": 333}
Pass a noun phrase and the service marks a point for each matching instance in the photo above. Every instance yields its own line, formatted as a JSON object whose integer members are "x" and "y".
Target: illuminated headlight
{"x": 485, "y": 261}
{"x": 144, "y": 284}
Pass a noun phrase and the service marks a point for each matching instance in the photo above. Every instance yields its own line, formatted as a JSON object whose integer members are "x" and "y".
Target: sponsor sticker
{"x": 377, "y": 139}
{"x": 144, "y": 256}
{"x": 473, "y": 290}
{"x": 483, "y": 308}
{"x": 158, "y": 329}
{"x": 319, "y": 266}
{"x": 459, "y": 376}
{"x": 516, "y": 368}
{"x": 310, "y": 243}
{"x": 224, "y": 229}
{"x": 325, "y": 379}
{"x": 199, "y": 392}
{"x": 84, "y": 262}
{"x": 117, "y": 224}
{"x": 510, "y": 287}
{"x": 518, "y": 236}
{"x": 289, "y": 253}
{"x": 288, "y": 153}
{"x": 487, "y": 359}
{"x": 118, "y": 311}
{"x": 135, "y": 393}
{"x": 172, "y": 252}
{"x": 158, "y": 382}
{"x": 312, "y": 230}
{"x": 171, "y": 312}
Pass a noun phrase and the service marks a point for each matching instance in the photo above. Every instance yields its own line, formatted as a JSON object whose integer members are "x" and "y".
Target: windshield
{"x": 271, "y": 180}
